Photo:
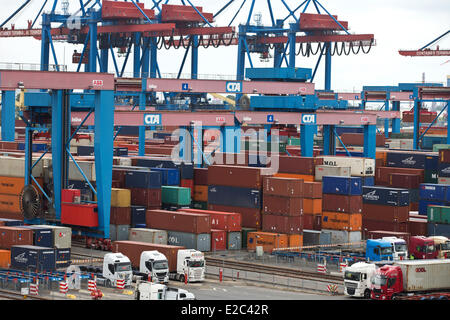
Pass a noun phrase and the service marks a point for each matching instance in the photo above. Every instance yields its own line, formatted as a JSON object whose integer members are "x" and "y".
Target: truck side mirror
{"x": 149, "y": 265}
{"x": 111, "y": 268}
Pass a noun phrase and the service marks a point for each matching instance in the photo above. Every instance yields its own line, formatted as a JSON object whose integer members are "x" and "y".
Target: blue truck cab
{"x": 379, "y": 250}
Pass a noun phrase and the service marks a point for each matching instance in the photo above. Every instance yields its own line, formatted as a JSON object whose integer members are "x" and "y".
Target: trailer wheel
{"x": 182, "y": 278}
{"x": 367, "y": 294}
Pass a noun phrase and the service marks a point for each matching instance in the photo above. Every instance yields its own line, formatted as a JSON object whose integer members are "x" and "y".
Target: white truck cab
{"x": 157, "y": 291}
{"x": 357, "y": 279}
{"x": 155, "y": 264}
{"x": 116, "y": 266}
{"x": 400, "y": 248}
{"x": 192, "y": 263}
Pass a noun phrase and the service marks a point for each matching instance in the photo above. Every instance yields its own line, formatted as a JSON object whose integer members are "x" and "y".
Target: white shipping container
{"x": 423, "y": 275}
{"x": 88, "y": 168}
{"x": 15, "y": 167}
{"x": 360, "y": 167}
{"x": 148, "y": 235}
{"x": 62, "y": 236}
{"x": 342, "y": 236}
{"x": 323, "y": 170}
{"x": 124, "y": 161}
{"x": 406, "y": 144}
{"x": 443, "y": 180}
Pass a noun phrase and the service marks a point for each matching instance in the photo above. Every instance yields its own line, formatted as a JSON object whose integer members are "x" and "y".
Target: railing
{"x": 31, "y": 66}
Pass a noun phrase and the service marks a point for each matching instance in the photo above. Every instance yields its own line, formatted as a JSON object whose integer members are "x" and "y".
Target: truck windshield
{"x": 196, "y": 264}
{"x": 445, "y": 246}
{"x": 379, "y": 280}
{"x": 430, "y": 248}
{"x": 386, "y": 250}
{"x": 349, "y": 275}
{"x": 124, "y": 266}
{"x": 159, "y": 265}
{"x": 400, "y": 247}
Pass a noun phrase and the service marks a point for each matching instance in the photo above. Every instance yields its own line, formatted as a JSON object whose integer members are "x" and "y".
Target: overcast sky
{"x": 401, "y": 24}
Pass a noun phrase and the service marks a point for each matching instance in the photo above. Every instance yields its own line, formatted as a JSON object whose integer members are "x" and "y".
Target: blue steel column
{"x": 448, "y": 122}
{"x": 194, "y": 63}
{"x": 292, "y": 42}
{"x": 279, "y": 49}
{"x": 142, "y": 102}
{"x": 307, "y": 139}
{"x": 92, "y": 43}
{"x": 329, "y": 140}
{"x": 416, "y": 130}
{"x": 137, "y": 56}
{"x": 57, "y": 149}
{"x": 103, "y": 151}
{"x": 328, "y": 66}
{"x": 230, "y": 140}
{"x": 396, "y": 121}
{"x": 369, "y": 141}
{"x": 104, "y": 60}
{"x": 240, "y": 73}
{"x": 45, "y": 44}
{"x": 8, "y": 115}
{"x": 386, "y": 121}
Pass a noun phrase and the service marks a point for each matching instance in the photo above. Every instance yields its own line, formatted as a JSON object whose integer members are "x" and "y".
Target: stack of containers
{"x": 385, "y": 208}
{"x": 145, "y": 188}
{"x": 298, "y": 167}
{"x": 410, "y": 182}
{"x": 359, "y": 167}
{"x": 175, "y": 197}
{"x": 200, "y": 188}
{"x": 312, "y": 205}
{"x": 432, "y": 194}
{"x": 344, "y": 226}
{"x": 190, "y": 230}
{"x": 236, "y": 189}
{"x": 443, "y": 167}
{"x": 283, "y": 208}
{"x": 120, "y": 214}
{"x": 226, "y": 229}
{"x": 438, "y": 221}
{"x": 62, "y": 243}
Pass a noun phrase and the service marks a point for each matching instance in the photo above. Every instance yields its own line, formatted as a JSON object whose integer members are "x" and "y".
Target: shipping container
{"x": 444, "y": 156}
{"x": 402, "y": 180}
{"x": 15, "y": 167}
{"x": 149, "y": 198}
{"x": 430, "y": 191}
{"x": 311, "y": 237}
{"x": 79, "y": 214}
{"x": 228, "y": 221}
{"x": 137, "y": 215}
{"x": 120, "y": 197}
{"x": 282, "y": 205}
{"x": 143, "y": 179}
{"x": 218, "y": 240}
{"x": 443, "y": 180}
{"x": 360, "y": 167}
{"x": 201, "y": 176}
{"x": 250, "y": 217}
{"x": 374, "y": 224}
{"x": 444, "y": 170}
{"x": 385, "y": 213}
{"x": 245, "y": 232}
{"x": 417, "y": 226}
{"x": 14, "y": 185}
{"x": 148, "y": 235}
{"x": 342, "y": 203}
{"x": 11, "y": 222}
{"x": 5, "y": 258}
{"x": 304, "y": 177}
{"x": 197, "y": 241}
{"x": 298, "y": 165}
{"x": 340, "y": 236}
{"x": 382, "y": 174}
{"x": 386, "y": 196}
{"x": 312, "y": 190}
{"x": 342, "y": 221}
{"x": 268, "y": 240}
{"x": 234, "y": 196}
{"x": 439, "y": 214}
{"x": 119, "y": 232}
{"x": 169, "y": 176}
{"x": 186, "y": 169}
{"x": 33, "y": 258}
{"x": 133, "y": 250}
{"x": 62, "y": 258}
{"x": 283, "y": 187}
{"x": 423, "y": 205}
{"x": 378, "y": 234}
{"x": 120, "y": 215}
{"x": 325, "y": 237}
{"x": 177, "y": 196}
{"x": 201, "y": 193}
{"x": 434, "y": 278}
{"x": 295, "y": 242}
{"x": 42, "y": 237}
{"x": 234, "y": 240}
{"x": 244, "y": 177}
{"x": 312, "y": 206}
{"x": 342, "y": 185}
{"x": 11, "y": 236}
{"x": 10, "y": 203}
{"x": 410, "y": 159}
{"x": 438, "y": 229}
{"x": 178, "y": 221}
{"x": 312, "y": 221}
{"x": 282, "y": 224}
{"x": 62, "y": 236}
{"x": 325, "y": 170}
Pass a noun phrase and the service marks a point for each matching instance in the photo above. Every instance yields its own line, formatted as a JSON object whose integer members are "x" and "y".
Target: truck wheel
{"x": 367, "y": 294}
{"x": 394, "y": 297}
{"x": 182, "y": 278}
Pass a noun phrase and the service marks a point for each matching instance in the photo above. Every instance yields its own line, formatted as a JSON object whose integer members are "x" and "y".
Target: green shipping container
{"x": 245, "y": 232}
{"x": 176, "y": 195}
{"x": 294, "y": 141}
{"x": 200, "y": 205}
{"x": 431, "y": 176}
{"x": 438, "y": 146}
{"x": 438, "y": 214}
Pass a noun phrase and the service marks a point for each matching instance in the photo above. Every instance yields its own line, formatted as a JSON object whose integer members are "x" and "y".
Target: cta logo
{"x": 152, "y": 119}
{"x": 308, "y": 119}
{"x": 233, "y": 87}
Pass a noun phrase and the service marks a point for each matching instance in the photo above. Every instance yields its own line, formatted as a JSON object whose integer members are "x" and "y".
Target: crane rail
{"x": 11, "y": 295}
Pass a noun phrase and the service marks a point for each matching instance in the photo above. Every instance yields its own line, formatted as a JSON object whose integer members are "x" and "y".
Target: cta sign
{"x": 233, "y": 86}
{"x": 308, "y": 119}
{"x": 152, "y": 119}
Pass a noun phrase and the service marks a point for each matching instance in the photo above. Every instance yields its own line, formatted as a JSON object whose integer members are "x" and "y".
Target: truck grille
{"x": 351, "y": 285}
{"x": 161, "y": 274}
{"x": 376, "y": 290}
{"x": 351, "y": 291}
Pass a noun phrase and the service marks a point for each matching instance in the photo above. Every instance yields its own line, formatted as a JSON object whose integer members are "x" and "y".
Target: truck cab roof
{"x": 394, "y": 239}
{"x": 379, "y": 242}
{"x": 362, "y": 266}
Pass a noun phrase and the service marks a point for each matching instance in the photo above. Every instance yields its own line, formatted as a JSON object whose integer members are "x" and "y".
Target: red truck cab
{"x": 421, "y": 247}
{"x": 386, "y": 282}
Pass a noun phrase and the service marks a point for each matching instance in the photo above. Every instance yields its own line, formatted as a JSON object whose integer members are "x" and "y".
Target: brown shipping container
{"x": 14, "y": 185}
{"x": 201, "y": 193}
{"x": 5, "y": 258}
{"x": 342, "y": 221}
{"x": 382, "y": 174}
{"x": 133, "y": 250}
{"x": 268, "y": 240}
{"x": 201, "y": 176}
{"x": 404, "y": 180}
{"x": 12, "y": 236}
{"x": 120, "y": 216}
{"x": 178, "y": 221}
{"x": 11, "y": 215}
{"x": 9, "y": 203}
{"x": 146, "y": 197}
{"x": 357, "y": 139}
{"x": 230, "y": 159}
{"x": 444, "y": 155}
{"x": 378, "y": 234}
{"x": 417, "y": 227}
{"x": 228, "y": 221}
{"x": 342, "y": 203}
{"x": 304, "y": 177}
{"x": 370, "y": 225}
{"x": 251, "y": 217}
{"x": 312, "y": 206}
{"x": 312, "y": 190}
{"x": 245, "y": 177}
{"x": 282, "y": 205}
{"x": 282, "y": 224}
{"x": 385, "y": 213}
{"x": 299, "y": 165}
{"x": 282, "y": 187}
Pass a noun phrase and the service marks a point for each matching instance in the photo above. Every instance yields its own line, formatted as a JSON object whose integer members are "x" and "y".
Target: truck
{"x": 156, "y": 291}
{"x": 357, "y": 279}
{"x": 442, "y": 245}
{"x": 379, "y": 250}
{"x": 399, "y": 246}
{"x": 154, "y": 265}
{"x": 181, "y": 261}
{"x": 412, "y": 279}
{"x": 117, "y": 266}
{"x": 421, "y": 247}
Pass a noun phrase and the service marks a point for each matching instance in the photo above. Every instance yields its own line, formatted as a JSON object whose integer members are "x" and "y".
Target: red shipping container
{"x": 404, "y": 180}
{"x": 120, "y": 215}
{"x": 312, "y": 190}
{"x": 76, "y": 214}
{"x": 201, "y": 176}
{"x": 149, "y": 198}
{"x": 342, "y": 203}
{"x": 417, "y": 227}
{"x": 178, "y": 221}
{"x": 385, "y": 213}
{"x": 283, "y": 187}
{"x": 13, "y": 236}
{"x": 378, "y": 234}
{"x": 228, "y": 221}
{"x": 282, "y": 224}
{"x": 245, "y": 177}
{"x": 444, "y": 155}
{"x": 282, "y": 205}
{"x": 188, "y": 183}
{"x": 298, "y": 165}
{"x": 218, "y": 240}
{"x": 371, "y": 225}
{"x": 250, "y": 217}
{"x": 68, "y": 195}
{"x": 382, "y": 174}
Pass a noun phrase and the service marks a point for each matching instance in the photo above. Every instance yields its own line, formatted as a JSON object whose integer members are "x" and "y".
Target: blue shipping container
{"x": 414, "y": 195}
{"x": 85, "y": 150}
{"x": 386, "y": 196}
{"x": 186, "y": 169}
{"x": 351, "y": 186}
{"x": 169, "y": 177}
{"x": 138, "y": 215}
{"x": 120, "y": 152}
{"x": 405, "y": 160}
{"x": 431, "y": 163}
{"x": 11, "y": 222}
{"x": 444, "y": 170}
{"x": 368, "y": 181}
{"x": 423, "y": 205}
{"x": 37, "y": 147}
{"x": 438, "y": 229}
{"x": 33, "y": 258}
{"x": 62, "y": 258}
{"x": 42, "y": 237}
{"x": 234, "y": 196}
{"x": 143, "y": 179}
{"x": 432, "y": 191}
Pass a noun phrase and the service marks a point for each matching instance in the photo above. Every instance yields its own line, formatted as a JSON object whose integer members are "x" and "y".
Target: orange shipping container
{"x": 201, "y": 193}
{"x": 9, "y": 203}
{"x": 305, "y": 177}
{"x": 14, "y": 185}
{"x": 342, "y": 221}
{"x": 5, "y": 258}
{"x": 295, "y": 241}
{"x": 312, "y": 206}
{"x": 269, "y": 241}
